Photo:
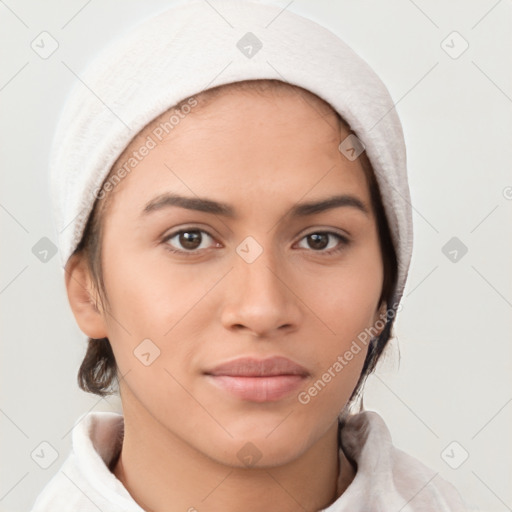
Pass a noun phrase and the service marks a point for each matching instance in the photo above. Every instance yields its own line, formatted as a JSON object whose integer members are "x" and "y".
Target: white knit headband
{"x": 198, "y": 45}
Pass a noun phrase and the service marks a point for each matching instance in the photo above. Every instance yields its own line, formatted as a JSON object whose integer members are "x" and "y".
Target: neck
{"x": 164, "y": 473}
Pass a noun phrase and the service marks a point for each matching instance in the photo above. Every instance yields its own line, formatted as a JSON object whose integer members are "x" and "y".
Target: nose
{"x": 261, "y": 299}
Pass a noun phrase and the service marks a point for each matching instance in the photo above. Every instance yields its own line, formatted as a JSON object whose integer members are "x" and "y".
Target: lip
{"x": 254, "y": 367}
{"x": 258, "y": 380}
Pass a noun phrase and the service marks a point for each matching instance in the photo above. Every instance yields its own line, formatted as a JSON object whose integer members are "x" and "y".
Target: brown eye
{"x": 190, "y": 239}
{"x": 187, "y": 240}
{"x": 319, "y": 241}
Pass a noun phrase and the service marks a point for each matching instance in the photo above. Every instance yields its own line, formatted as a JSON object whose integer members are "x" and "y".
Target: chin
{"x": 256, "y": 448}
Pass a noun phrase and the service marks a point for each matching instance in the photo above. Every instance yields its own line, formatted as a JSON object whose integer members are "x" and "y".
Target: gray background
{"x": 447, "y": 376}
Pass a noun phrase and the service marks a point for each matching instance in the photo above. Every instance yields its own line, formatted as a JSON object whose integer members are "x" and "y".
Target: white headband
{"x": 198, "y": 45}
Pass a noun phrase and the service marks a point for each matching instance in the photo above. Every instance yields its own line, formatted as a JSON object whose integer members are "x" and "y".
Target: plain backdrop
{"x": 444, "y": 387}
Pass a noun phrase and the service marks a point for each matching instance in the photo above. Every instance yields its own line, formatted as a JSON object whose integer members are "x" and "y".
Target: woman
{"x": 235, "y": 225}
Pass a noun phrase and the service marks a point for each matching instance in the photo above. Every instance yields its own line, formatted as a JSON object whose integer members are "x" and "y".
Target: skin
{"x": 261, "y": 155}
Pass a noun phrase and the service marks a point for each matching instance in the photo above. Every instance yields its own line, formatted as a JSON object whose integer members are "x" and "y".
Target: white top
{"x": 387, "y": 479}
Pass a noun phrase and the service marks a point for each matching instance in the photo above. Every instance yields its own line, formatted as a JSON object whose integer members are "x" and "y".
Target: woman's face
{"x": 259, "y": 277}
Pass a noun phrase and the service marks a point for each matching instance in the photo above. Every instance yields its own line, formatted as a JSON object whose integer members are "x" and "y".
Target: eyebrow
{"x": 218, "y": 208}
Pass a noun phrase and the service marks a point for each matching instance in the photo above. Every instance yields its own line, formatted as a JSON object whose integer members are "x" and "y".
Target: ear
{"x": 83, "y": 298}
{"x": 379, "y": 319}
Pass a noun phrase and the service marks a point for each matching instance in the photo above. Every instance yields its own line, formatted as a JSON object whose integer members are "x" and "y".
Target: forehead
{"x": 221, "y": 105}
{"x": 246, "y": 142}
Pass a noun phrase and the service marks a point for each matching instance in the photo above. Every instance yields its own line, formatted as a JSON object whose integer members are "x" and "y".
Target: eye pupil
{"x": 320, "y": 240}
{"x": 190, "y": 239}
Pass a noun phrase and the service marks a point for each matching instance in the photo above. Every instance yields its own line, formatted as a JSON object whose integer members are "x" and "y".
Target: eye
{"x": 319, "y": 241}
{"x": 190, "y": 240}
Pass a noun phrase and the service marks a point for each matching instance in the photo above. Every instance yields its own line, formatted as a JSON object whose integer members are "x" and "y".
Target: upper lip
{"x": 253, "y": 367}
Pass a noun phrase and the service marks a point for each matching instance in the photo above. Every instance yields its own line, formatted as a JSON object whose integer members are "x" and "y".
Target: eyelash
{"x": 343, "y": 241}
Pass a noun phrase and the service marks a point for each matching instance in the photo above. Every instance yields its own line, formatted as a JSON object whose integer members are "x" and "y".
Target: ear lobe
{"x": 82, "y": 298}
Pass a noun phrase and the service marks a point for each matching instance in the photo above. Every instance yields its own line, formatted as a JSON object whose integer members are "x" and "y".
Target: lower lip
{"x": 258, "y": 389}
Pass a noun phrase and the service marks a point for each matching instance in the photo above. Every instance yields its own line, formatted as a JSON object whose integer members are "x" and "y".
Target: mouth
{"x": 258, "y": 380}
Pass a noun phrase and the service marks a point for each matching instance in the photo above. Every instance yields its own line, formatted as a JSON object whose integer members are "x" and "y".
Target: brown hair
{"x": 98, "y": 371}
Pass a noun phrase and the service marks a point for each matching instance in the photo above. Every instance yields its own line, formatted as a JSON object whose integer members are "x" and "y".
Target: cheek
{"x": 346, "y": 301}
{"x": 150, "y": 295}
{"x": 346, "y": 297}
{"x": 164, "y": 303}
